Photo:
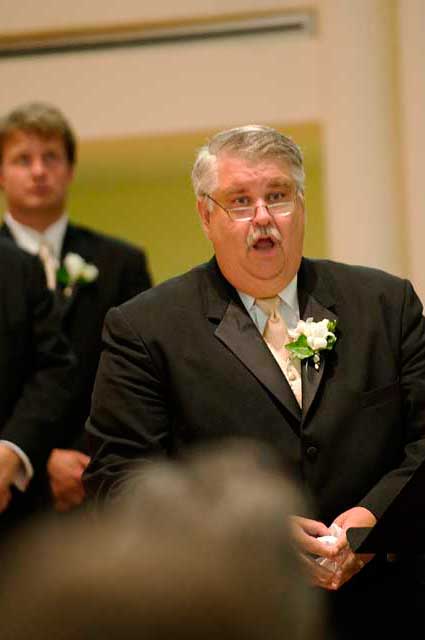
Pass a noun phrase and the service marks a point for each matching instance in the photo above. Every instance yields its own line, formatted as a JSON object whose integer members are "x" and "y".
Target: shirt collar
{"x": 288, "y": 295}
{"x": 29, "y": 239}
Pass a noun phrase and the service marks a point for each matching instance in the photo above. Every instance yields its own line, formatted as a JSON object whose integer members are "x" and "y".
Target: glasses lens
{"x": 248, "y": 213}
{"x": 242, "y": 213}
{"x": 281, "y": 208}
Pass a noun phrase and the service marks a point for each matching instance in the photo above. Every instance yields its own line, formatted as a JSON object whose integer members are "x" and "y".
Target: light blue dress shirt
{"x": 288, "y": 307}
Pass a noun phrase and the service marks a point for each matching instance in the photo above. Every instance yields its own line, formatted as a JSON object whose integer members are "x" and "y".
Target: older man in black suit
{"x": 91, "y": 272}
{"x": 36, "y": 370}
{"x": 322, "y": 360}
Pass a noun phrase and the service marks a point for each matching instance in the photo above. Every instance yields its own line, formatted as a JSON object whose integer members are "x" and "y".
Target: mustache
{"x": 268, "y": 231}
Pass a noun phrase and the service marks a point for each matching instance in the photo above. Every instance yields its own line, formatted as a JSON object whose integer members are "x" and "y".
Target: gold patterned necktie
{"x": 49, "y": 263}
{"x": 276, "y": 336}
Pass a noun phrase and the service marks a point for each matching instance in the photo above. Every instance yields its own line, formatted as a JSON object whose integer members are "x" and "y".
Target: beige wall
{"x": 360, "y": 75}
{"x": 173, "y": 87}
{"x": 411, "y": 33}
{"x": 168, "y": 88}
{"x": 360, "y": 116}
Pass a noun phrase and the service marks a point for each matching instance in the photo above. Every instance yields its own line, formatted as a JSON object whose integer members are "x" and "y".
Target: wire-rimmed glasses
{"x": 242, "y": 214}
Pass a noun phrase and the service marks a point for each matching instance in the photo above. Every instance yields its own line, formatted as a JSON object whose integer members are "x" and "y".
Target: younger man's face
{"x": 35, "y": 175}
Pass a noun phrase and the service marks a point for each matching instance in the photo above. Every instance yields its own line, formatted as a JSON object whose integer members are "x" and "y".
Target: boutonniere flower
{"x": 309, "y": 338}
{"x": 75, "y": 270}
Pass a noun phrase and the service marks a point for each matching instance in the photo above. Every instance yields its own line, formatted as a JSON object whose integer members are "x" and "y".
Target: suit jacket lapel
{"x": 67, "y": 301}
{"x": 5, "y": 231}
{"x": 237, "y": 331}
{"x": 315, "y": 302}
{"x": 71, "y": 242}
{"x": 74, "y": 242}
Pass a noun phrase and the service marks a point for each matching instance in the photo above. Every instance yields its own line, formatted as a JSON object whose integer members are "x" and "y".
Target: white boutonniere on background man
{"x": 75, "y": 270}
{"x": 309, "y": 338}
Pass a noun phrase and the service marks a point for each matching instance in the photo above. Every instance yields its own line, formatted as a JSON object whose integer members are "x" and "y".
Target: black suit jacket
{"x": 183, "y": 364}
{"x": 36, "y": 367}
{"x": 123, "y": 273}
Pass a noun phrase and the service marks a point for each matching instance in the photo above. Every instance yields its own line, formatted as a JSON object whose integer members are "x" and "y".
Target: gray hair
{"x": 253, "y": 142}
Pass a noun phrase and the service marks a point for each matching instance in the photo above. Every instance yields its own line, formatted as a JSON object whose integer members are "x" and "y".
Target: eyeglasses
{"x": 242, "y": 214}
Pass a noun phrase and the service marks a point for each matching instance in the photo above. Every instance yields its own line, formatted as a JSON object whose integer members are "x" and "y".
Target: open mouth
{"x": 264, "y": 244}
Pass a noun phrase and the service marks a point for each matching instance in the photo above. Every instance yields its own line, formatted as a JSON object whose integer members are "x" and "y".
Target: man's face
{"x": 262, "y": 255}
{"x": 35, "y": 175}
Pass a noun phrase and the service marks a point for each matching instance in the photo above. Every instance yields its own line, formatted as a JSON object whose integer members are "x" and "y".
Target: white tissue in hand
{"x": 327, "y": 563}
{"x": 328, "y": 539}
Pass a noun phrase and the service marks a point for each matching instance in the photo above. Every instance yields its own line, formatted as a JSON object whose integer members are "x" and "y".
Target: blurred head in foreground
{"x": 199, "y": 550}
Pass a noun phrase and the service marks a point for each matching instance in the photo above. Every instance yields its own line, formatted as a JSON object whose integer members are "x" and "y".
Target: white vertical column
{"x": 358, "y": 88}
{"x": 411, "y": 17}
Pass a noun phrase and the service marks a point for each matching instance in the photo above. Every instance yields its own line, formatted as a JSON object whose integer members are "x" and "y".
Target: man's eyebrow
{"x": 234, "y": 189}
{"x": 280, "y": 182}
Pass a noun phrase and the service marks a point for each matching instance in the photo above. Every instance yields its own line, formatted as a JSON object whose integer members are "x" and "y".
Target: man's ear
{"x": 204, "y": 214}
{"x": 302, "y": 202}
{"x": 71, "y": 173}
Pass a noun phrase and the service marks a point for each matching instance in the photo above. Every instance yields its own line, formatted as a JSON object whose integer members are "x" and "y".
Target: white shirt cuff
{"x": 26, "y": 470}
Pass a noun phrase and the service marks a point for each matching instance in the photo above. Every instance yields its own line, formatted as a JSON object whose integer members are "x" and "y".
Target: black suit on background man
{"x": 37, "y": 159}
{"x": 123, "y": 273}
{"x": 36, "y": 368}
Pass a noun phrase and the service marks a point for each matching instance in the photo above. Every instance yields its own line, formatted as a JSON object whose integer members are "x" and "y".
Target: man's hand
{"x": 65, "y": 468}
{"x": 350, "y": 563}
{"x": 9, "y": 467}
{"x": 306, "y": 532}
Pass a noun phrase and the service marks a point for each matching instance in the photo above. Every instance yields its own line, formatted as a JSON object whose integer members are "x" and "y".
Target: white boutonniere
{"x": 75, "y": 270}
{"x": 309, "y": 338}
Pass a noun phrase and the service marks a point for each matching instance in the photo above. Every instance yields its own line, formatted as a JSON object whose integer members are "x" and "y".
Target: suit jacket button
{"x": 312, "y": 453}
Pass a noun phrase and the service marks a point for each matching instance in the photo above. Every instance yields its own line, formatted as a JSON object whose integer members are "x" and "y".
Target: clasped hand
{"x": 65, "y": 468}
{"x": 343, "y": 562}
{"x": 9, "y": 466}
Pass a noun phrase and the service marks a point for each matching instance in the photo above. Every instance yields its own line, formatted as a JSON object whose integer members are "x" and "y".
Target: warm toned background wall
{"x": 355, "y": 83}
{"x": 139, "y": 188}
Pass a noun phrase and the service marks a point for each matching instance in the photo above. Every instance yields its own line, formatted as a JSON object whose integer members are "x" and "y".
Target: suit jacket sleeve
{"x": 412, "y": 415}
{"x": 37, "y": 415}
{"x": 129, "y": 418}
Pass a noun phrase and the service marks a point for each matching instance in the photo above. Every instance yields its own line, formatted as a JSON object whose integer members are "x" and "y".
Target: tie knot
{"x": 45, "y": 250}
{"x": 269, "y": 306}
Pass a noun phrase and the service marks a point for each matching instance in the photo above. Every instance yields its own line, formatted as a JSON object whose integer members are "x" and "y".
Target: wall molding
{"x": 139, "y": 34}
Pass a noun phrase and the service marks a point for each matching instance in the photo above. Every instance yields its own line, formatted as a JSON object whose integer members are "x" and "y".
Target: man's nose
{"x": 262, "y": 215}
{"x": 38, "y": 167}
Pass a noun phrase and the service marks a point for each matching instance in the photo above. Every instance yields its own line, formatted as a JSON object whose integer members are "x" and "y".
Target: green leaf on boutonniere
{"x": 62, "y": 276}
{"x": 300, "y": 348}
{"x": 332, "y": 326}
{"x": 331, "y": 339}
